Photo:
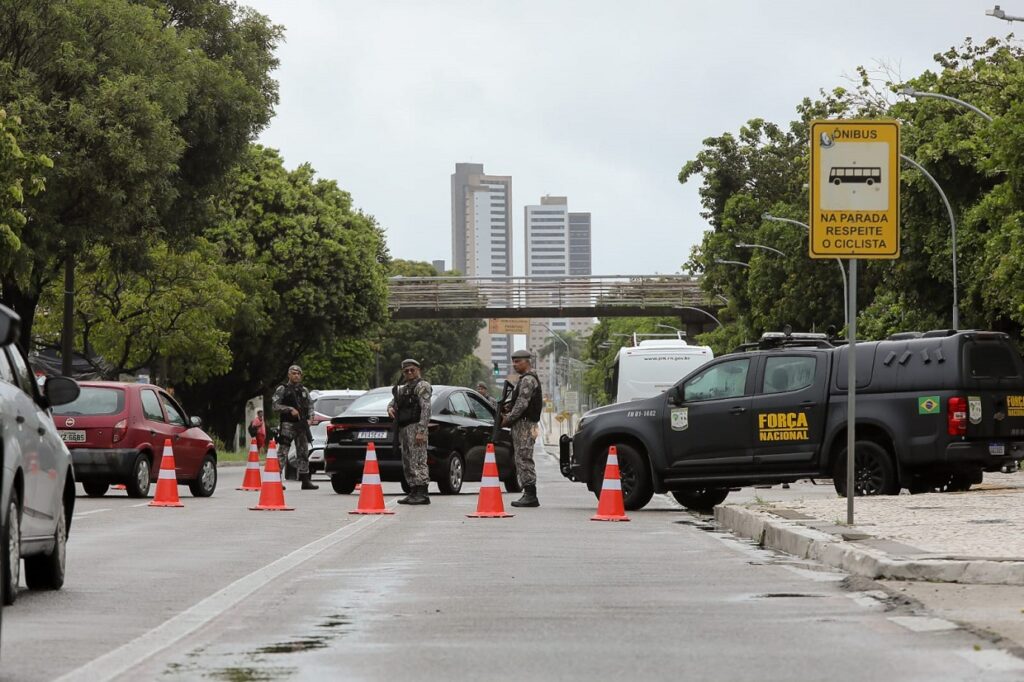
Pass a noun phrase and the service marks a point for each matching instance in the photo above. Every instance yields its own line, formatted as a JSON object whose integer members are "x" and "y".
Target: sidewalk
{"x": 974, "y": 537}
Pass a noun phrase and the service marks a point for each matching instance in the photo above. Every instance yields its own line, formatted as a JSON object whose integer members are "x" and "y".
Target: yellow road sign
{"x": 855, "y": 189}
{"x": 508, "y": 325}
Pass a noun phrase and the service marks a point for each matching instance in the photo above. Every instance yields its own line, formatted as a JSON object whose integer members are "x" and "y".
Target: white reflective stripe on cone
{"x": 371, "y": 479}
{"x": 272, "y": 477}
{"x": 489, "y": 457}
{"x": 613, "y": 459}
{"x": 489, "y": 482}
{"x": 611, "y": 484}
{"x": 167, "y": 473}
{"x": 371, "y": 455}
{"x": 253, "y": 465}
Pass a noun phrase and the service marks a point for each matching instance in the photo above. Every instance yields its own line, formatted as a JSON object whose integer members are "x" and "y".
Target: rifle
{"x": 501, "y": 407}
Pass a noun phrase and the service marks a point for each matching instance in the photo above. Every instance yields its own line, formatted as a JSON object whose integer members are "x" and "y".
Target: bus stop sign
{"x": 854, "y": 187}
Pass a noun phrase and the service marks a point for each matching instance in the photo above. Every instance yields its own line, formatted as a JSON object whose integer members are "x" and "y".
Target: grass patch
{"x": 236, "y": 456}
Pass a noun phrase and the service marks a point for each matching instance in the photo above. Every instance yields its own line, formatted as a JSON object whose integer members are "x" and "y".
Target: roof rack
{"x": 787, "y": 339}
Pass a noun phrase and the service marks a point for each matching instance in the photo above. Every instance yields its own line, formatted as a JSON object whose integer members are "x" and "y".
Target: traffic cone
{"x": 610, "y": 506}
{"x": 252, "y": 480}
{"x": 490, "y": 505}
{"x": 371, "y": 496}
{"x": 271, "y": 490}
{"x": 167, "y": 481}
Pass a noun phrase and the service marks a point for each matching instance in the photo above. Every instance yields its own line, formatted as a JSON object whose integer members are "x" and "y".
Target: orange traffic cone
{"x": 167, "y": 482}
{"x": 610, "y": 506}
{"x": 490, "y": 505}
{"x": 252, "y": 480}
{"x": 271, "y": 491}
{"x": 371, "y": 496}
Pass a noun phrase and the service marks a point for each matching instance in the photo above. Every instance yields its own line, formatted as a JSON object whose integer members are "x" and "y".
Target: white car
{"x": 326, "y": 404}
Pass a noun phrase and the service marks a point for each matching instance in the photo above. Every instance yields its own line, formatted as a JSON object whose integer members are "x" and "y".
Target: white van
{"x": 652, "y": 366}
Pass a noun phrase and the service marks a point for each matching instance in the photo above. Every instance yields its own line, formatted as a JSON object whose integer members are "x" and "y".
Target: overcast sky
{"x": 599, "y": 101}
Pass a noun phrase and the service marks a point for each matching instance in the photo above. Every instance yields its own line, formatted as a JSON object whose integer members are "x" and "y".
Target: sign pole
{"x": 851, "y": 394}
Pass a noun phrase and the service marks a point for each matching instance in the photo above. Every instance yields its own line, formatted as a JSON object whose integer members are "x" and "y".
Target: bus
{"x": 652, "y": 366}
{"x": 867, "y": 175}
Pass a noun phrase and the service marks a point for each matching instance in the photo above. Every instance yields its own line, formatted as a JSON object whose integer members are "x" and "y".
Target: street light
{"x": 839, "y": 261}
{"x": 551, "y": 375}
{"x": 1000, "y": 14}
{"x": 952, "y": 224}
{"x": 732, "y": 262}
{"x": 912, "y": 92}
{"x": 741, "y": 245}
{"x": 668, "y": 326}
{"x": 699, "y": 310}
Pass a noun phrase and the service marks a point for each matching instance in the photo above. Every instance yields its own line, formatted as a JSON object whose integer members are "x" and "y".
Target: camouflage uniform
{"x": 293, "y": 431}
{"x": 414, "y": 456}
{"x": 524, "y": 432}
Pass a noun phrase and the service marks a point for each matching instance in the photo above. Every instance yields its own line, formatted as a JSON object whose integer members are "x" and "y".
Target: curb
{"x": 809, "y": 543}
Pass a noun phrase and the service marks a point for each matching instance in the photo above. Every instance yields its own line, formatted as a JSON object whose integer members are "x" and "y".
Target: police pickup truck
{"x": 934, "y": 411}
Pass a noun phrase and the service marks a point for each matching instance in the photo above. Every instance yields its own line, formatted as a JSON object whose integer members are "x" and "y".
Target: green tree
{"x": 141, "y": 105}
{"x": 20, "y": 174}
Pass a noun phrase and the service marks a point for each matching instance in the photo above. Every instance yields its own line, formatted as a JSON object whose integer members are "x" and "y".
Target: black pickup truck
{"x": 934, "y": 411}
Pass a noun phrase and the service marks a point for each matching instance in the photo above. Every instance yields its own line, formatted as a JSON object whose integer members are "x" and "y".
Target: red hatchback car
{"x": 116, "y": 432}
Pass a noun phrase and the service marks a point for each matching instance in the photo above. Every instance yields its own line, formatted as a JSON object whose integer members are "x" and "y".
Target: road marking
{"x": 924, "y": 623}
{"x": 94, "y": 511}
{"x": 146, "y": 504}
{"x": 164, "y": 636}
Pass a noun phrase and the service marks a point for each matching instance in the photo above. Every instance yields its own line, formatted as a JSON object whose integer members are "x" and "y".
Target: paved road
{"x": 213, "y": 591}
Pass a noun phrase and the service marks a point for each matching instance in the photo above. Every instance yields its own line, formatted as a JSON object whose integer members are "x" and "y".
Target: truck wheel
{"x": 874, "y": 473}
{"x": 700, "y": 499}
{"x": 450, "y": 482}
{"x": 342, "y": 484}
{"x": 637, "y": 488}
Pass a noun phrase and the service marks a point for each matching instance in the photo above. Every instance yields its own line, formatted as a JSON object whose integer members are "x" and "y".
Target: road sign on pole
{"x": 854, "y": 187}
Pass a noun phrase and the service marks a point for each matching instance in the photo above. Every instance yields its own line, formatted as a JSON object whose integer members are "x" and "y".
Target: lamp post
{"x": 839, "y": 261}
{"x": 721, "y": 261}
{"x": 717, "y": 321}
{"x": 741, "y": 245}
{"x": 551, "y": 374}
{"x": 1000, "y": 14}
{"x": 912, "y": 92}
{"x": 952, "y": 225}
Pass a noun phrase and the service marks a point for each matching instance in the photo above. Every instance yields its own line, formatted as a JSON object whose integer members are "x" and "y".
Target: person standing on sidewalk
{"x": 292, "y": 404}
{"x": 526, "y": 403}
{"x": 410, "y": 408}
{"x": 258, "y": 430}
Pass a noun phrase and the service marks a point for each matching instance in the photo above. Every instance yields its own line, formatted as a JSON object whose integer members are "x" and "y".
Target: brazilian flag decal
{"x": 929, "y": 404}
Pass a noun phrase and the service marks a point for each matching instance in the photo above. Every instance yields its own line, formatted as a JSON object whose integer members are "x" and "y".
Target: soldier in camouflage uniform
{"x": 292, "y": 404}
{"x": 410, "y": 408}
{"x": 526, "y": 404}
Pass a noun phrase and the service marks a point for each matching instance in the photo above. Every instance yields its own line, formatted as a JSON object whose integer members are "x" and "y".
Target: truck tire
{"x": 875, "y": 473}
{"x": 637, "y": 487}
{"x": 700, "y": 499}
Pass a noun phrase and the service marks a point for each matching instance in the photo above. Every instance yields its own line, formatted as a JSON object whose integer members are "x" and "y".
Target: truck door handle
{"x": 737, "y": 410}
{"x": 807, "y": 404}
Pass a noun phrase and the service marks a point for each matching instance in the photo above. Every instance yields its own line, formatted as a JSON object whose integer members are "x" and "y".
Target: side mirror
{"x": 196, "y": 422}
{"x": 10, "y": 324}
{"x": 675, "y": 395}
{"x": 60, "y": 390}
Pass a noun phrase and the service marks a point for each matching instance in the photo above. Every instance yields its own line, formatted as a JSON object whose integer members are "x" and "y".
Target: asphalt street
{"x": 215, "y": 591}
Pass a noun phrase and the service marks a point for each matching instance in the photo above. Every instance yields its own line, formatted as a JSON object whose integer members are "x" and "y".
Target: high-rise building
{"x": 557, "y": 243}
{"x": 438, "y": 265}
{"x": 482, "y": 241}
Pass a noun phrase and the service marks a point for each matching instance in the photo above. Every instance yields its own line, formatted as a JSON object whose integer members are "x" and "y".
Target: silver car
{"x": 326, "y": 404}
{"x": 37, "y": 484}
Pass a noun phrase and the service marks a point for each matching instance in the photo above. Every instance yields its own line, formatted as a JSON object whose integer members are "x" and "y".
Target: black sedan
{"x": 461, "y": 426}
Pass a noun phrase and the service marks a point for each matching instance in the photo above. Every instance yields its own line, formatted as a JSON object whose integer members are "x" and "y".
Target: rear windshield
{"x": 94, "y": 400}
{"x": 332, "y": 407}
{"x": 991, "y": 361}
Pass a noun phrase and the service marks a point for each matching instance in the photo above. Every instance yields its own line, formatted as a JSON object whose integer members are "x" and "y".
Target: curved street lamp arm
{"x": 741, "y": 245}
{"x": 717, "y": 321}
{"x": 952, "y": 224}
{"x": 732, "y": 262}
{"x": 911, "y": 92}
{"x": 769, "y": 216}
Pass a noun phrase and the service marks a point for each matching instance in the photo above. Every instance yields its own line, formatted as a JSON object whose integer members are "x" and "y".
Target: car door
{"x": 39, "y": 453}
{"x": 155, "y": 423}
{"x": 464, "y": 425}
{"x": 187, "y": 454}
{"x": 707, "y": 418}
{"x": 484, "y": 429}
{"x": 788, "y": 409}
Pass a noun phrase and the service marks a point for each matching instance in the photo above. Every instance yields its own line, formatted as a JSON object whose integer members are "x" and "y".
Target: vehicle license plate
{"x": 373, "y": 435}
{"x": 996, "y": 449}
{"x": 72, "y": 436}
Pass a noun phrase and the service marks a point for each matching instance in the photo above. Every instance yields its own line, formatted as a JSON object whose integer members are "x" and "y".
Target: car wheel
{"x": 46, "y": 571}
{"x": 138, "y": 483}
{"x": 512, "y": 483}
{"x": 700, "y": 499}
{"x": 451, "y": 482}
{"x": 342, "y": 484}
{"x": 206, "y": 483}
{"x": 95, "y": 488}
{"x": 635, "y": 475}
{"x": 12, "y": 550}
{"x": 874, "y": 473}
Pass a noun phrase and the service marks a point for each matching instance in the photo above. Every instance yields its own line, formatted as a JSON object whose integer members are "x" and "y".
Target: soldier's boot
{"x": 306, "y": 483}
{"x": 529, "y": 498}
{"x": 419, "y": 495}
{"x": 408, "y": 496}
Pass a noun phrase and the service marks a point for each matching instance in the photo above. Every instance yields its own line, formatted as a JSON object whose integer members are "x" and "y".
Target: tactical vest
{"x": 536, "y": 405}
{"x": 292, "y": 397}
{"x": 407, "y": 403}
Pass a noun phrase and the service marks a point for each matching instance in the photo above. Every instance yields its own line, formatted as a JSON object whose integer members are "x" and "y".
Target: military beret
{"x": 524, "y": 354}
{"x": 409, "y": 362}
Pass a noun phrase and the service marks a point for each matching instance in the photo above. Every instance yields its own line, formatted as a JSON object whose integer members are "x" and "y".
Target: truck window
{"x": 788, "y": 373}
{"x": 726, "y": 380}
{"x": 990, "y": 361}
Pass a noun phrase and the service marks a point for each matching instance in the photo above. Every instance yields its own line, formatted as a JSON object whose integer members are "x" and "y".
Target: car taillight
{"x": 331, "y": 428}
{"x": 956, "y": 416}
{"x": 120, "y": 430}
